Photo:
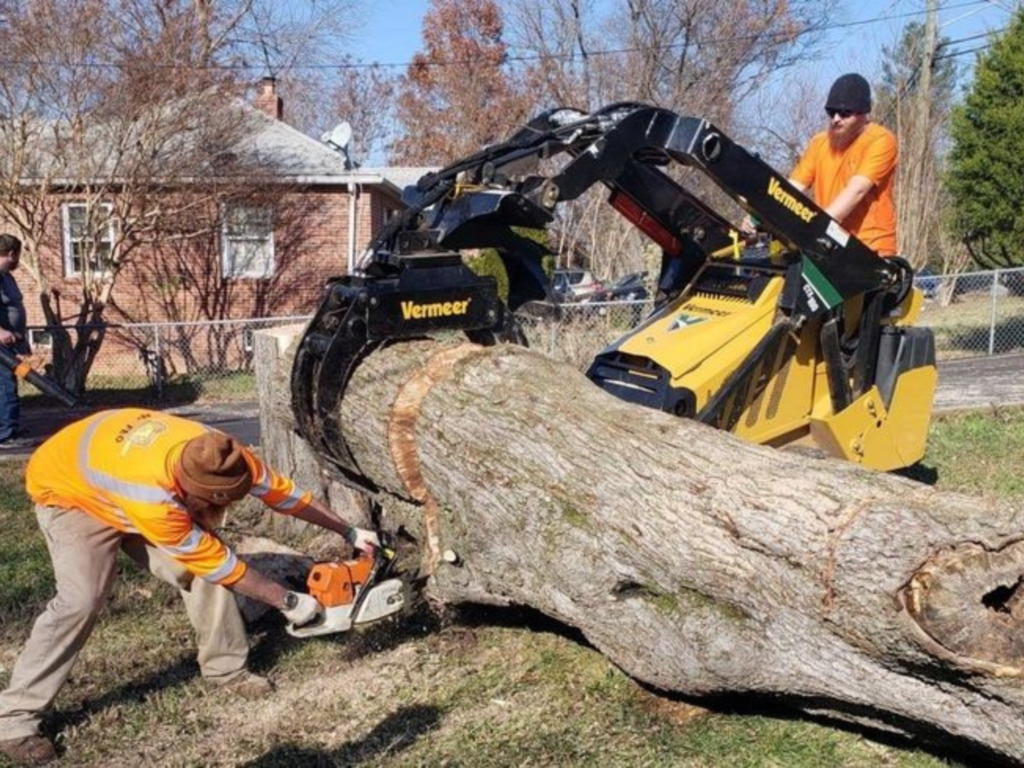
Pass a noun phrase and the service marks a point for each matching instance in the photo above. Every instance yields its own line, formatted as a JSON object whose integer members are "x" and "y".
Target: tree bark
{"x": 697, "y": 562}
{"x": 282, "y": 448}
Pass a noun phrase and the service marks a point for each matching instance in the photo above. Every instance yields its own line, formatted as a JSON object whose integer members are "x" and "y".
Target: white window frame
{"x": 69, "y": 241}
{"x": 40, "y": 338}
{"x": 230, "y": 241}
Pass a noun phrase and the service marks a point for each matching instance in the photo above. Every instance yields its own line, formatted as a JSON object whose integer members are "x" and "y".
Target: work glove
{"x": 303, "y": 608}
{"x": 362, "y": 539}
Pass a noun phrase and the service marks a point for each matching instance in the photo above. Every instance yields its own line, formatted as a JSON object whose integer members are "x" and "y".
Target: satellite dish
{"x": 339, "y": 137}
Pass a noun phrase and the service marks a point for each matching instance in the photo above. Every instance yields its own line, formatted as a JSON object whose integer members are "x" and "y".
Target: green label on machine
{"x": 820, "y": 285}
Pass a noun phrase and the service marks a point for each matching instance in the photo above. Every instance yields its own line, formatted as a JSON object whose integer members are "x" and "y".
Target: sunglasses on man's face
{"x": 843, "y": 113}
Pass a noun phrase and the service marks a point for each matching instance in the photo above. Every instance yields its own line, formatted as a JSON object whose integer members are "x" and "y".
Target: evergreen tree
{"x": 986, "y": 173}
{"x": 915, "y": 104}
{"x": 901, "y": 70}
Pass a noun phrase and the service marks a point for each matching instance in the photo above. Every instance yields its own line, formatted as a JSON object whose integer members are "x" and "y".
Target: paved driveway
{"x": 980, "y": 382}
{"x": 238, "y": 419}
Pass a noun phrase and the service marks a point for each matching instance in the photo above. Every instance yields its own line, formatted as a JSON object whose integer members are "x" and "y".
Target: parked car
{"x": 629, "y": 291}
{"x": 631, "y": 287}
{"x": 573, "y": 284}
{"x": 975, "y": 282}
{"x": 926, "y": 282}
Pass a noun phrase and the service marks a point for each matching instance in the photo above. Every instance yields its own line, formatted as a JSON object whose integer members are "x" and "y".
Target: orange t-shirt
{"x": 827, "y": 171}
{"x": 118, "y": 466}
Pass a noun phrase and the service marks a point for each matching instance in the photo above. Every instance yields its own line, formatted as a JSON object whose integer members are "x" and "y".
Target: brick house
{"x": 266, "y": 256}
{"x": 274, "y": 264}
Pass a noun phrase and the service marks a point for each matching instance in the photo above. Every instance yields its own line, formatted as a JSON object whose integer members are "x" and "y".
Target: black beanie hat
{"x": 850, "y": 91}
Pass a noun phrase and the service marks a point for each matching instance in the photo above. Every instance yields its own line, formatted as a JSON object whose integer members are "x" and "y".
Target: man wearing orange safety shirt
{"x": 851, "y": 167}
{"x": 155, "y": 486}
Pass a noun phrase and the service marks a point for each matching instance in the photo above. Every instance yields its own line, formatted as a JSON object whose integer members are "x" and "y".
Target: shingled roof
{"x": 278, "y": 148}
{"x": 259, "y": 146}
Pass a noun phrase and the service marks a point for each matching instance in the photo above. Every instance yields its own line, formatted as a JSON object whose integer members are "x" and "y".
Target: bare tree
{"x": 365, "y": 97}
{"x": 915, "y": 100}
{"x": 694, "y": 57}
{"x": 783, "y": 122}
{"x": 127, "y": 109}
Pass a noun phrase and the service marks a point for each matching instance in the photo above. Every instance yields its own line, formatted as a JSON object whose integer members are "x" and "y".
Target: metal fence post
{"x": 159, "y": 361}
{"x": 992, "y": 319}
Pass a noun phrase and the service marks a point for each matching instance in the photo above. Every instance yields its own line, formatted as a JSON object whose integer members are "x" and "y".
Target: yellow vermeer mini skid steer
{"x": 807, "y": 340}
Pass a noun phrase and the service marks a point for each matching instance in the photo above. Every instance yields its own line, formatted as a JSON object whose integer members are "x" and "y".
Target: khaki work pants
{"x": 84, "y": 551}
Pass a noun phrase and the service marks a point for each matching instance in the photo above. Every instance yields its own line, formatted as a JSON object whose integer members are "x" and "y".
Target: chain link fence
{"x": 971, "y": 314}
{"x": 974, "y": 313}
{"x": 168, "y": 362}
{"x": 574, "y": 333}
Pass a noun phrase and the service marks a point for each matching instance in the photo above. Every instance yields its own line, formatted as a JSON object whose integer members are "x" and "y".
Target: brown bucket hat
{"x": 213, "y": 467}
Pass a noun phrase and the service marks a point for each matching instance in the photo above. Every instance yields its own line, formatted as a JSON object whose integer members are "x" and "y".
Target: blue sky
{"x": 391, "y": 30}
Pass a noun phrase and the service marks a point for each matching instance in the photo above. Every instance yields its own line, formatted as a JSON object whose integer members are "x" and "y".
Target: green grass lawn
{"x": 963, "y": 327}
{"x": 117, "y": 391}
{"x": 476, "y": 687}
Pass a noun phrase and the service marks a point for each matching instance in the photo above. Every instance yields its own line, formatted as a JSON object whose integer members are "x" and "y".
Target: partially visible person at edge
{"x": 13, "y": 335}
{"x": 155, "y": 486}
{"x": 850, "y": 168}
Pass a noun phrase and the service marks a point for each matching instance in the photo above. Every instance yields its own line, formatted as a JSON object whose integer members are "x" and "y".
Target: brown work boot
{"x": 29, "y": 750}
{"x": 246, "y": 685}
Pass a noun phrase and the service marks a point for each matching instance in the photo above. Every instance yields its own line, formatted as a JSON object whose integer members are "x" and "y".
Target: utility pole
{"x": 914, "y": 220}
{"x": 924, "y": 80}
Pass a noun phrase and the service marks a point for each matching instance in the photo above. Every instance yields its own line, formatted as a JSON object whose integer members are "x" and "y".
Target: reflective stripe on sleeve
{"x": 123, "y": 519}
{"x": 224, "y": 571}
{"x": 288, "y": 504}
{"x": 260, "y": 487}
{"x": 188, "y": 546}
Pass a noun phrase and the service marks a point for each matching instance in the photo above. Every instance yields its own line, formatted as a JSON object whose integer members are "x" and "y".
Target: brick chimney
{"x": 267, "y": 100}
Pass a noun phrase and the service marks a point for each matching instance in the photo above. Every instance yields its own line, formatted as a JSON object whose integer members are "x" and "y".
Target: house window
{"x": 247, "y": 241}
{"x": 40, "y": 338}
{"x": 88, "y": 237}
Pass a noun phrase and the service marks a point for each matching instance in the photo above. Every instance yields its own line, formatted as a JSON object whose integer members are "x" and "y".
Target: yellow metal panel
{"x": 867, "y": 433}
{"x": 789, "y": 391}
{"x": 705, "y": 337}
{"x": 906, "y": 313}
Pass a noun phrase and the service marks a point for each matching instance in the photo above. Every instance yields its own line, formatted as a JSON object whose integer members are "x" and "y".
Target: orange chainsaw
{"x": 352, "y": 592}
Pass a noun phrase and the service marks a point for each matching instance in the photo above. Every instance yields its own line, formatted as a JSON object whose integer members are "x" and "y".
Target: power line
{"x": 947, "y": 43}
{"x": 964, "y": 52}
{"x": 911, "y": 80}
{"x": 521, "y": 58}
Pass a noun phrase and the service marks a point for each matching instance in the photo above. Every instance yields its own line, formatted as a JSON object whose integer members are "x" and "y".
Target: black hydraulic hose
{"x": 44, "y": 384}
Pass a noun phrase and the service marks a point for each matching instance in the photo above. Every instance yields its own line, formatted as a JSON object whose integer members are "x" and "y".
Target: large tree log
{"x": 697, "y": 562}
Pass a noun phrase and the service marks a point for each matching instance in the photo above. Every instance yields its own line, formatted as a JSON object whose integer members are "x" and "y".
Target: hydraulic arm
{"x": 783, "y": 345}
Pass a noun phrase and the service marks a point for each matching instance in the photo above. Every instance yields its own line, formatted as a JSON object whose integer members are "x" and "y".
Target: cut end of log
{"x": 969, "y": 604}
{"x": 403, "y": 447}
{"x": 406, "y": 410}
